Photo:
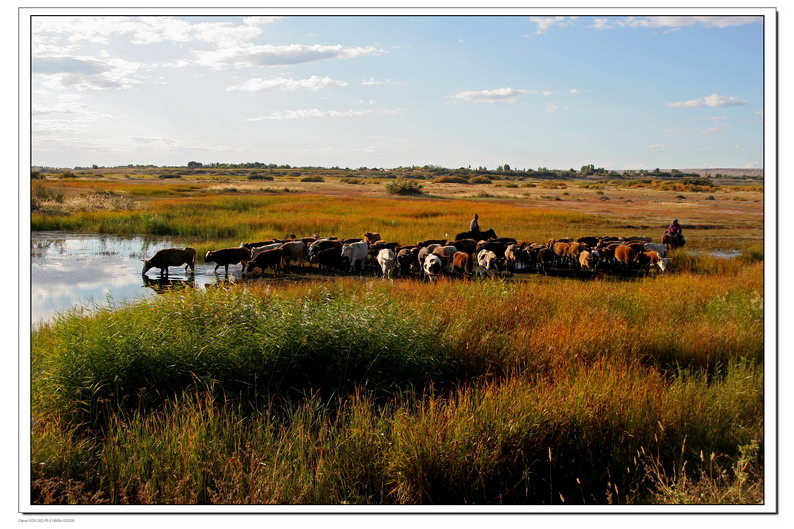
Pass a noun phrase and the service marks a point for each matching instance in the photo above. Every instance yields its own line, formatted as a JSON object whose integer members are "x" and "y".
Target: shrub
{"x": 480, "y": 180}
{"x": 170, "y": 176}
{"x": 348, "y": 180}
{"x": 260, "y": 177}
{"x": 404, "y": 188}
{"x": 67, "y": 174}
{"x": 451, "y": 180}
{"x": 312, "y": 179}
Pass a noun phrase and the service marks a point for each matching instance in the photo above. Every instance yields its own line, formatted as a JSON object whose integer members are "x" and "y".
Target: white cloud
{"x": 501, "y": 95}
{"x": 552, "y": 107}
{"x": 270, "y": 55}
{"x": 548, "y": 92}
{"x": 371, "y": 81}
{"x": 656, "y": 147}
{"x": 544, "y": 23}
{"x": 281, "y": 115}
{"x": 85, "y": 72}
{"x": 259, "y": 21}
{"x": 287, "y": 84}
{"x": 675, "y": 22}
{"x": 143, "y": 30}
{"x": 712, "y": 100}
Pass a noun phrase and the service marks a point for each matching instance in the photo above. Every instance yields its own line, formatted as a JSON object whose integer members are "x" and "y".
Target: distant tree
{"x": 195, "y": 164}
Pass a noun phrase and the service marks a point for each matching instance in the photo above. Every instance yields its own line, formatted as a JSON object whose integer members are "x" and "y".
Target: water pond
{"x": 84, "y": 270}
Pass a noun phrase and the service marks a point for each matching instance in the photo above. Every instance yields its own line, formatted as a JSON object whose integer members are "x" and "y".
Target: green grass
{"x": 362, "y": 391}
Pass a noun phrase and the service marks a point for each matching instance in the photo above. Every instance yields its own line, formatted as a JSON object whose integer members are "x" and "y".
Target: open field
{"x": 364, "y": 391}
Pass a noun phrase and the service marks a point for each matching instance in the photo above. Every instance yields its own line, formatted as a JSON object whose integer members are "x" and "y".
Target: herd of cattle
{"x": 482, "y": 251}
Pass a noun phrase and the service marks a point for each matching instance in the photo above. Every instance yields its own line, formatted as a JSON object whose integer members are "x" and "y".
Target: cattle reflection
{"x": 162, "y": 284}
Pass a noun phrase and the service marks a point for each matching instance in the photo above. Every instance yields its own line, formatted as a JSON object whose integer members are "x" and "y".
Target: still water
{"x": 83, "y": 270}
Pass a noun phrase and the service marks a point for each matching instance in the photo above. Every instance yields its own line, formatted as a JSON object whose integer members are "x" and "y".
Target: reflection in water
{"x": 162, "y": 284}
{"x": 79, "y": 270}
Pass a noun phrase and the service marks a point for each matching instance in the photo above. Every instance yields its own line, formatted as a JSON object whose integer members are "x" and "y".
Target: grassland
{"x": 363, "y": 391}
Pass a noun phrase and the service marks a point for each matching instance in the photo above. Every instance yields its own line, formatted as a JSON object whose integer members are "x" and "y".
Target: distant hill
{"x": 735, "y": 173}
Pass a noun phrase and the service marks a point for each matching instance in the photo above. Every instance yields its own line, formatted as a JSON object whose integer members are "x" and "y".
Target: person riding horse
{"x": 676, "y": 232}
{"x": 474, "y": 226}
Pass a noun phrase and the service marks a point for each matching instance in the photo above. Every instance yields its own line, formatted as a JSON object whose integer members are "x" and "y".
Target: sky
{"x": 620, "y": 92}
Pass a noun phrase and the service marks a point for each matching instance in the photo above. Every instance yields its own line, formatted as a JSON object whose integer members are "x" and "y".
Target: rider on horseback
{"x": 676, "y": 232}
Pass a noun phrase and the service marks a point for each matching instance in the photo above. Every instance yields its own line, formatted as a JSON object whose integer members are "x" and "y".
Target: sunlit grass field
{"x": 550, "y": 390}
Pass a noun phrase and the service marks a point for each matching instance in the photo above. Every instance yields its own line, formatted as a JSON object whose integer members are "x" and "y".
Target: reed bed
{"x": 263, "y": 217}
{"x": 372, "y": 391}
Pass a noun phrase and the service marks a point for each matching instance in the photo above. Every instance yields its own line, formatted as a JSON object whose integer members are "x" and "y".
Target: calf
{"x": 371, "y": 237}
{"x": 171, "y": 257}
{"x": 266, "y": 259}
{"x": 228, "y": 256}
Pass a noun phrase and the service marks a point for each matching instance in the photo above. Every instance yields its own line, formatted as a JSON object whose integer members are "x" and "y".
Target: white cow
{"x": 432, "y": 266}
{"x": 445, "y": 253}
{"x": 661, "y": 249}
{"x": 487, "y": 261}
{"x": 386, "y": 261}
{"x": 260, "y": 249}
{"x": 356, "y": 252}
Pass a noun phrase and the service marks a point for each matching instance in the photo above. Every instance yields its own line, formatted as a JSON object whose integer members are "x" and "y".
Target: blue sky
{"x": 621, "y": 92}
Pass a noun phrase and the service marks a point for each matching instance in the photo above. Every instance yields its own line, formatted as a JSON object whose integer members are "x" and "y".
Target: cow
{"x": 294, "y": 251}
{"x": 516, "y": 257}
{"x": 544, "y": 258}
{"x": 355, "y": 253}
{"x": 387, "y": 261}
{"x": 496, "y": 247}
{"x": 171, "y": 257}
{"x": 352, "y": 240}
{"x": 462, "y": 264}
{"x": 652, "y": 258}
{"x": 228, "y": 256}
{"x": 266, "y": 259}
{"x": 589, "y": 241}
{"x": 256, "y": 251}
{"x": 446, "y": 253}
{"x": 432, "y": 267}
{"x": 252, "y": 245}
{"x": 477, "y": 235}
{"x": 625, "y": 254}
{"x": 588, "y": 260}
{"x": 465, "y": 245}
{"x": 330, "y": 258}
{"x": 661, "y": 249}
{"x": 635, "y": 238}
{"x": 486, "y": 260}
{"x": 573, "y": 250}
{"x": 440, "y": 242}
{"x": 559, "y": 248}
{"x": 320, "y": 245}
{"x": 371, "y": 237}
{"x": 406, "y": 258}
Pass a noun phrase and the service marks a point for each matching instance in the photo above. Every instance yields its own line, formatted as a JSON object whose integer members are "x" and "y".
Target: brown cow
{"x": 228, "y": 256}
{"x": 462, "y": 264}
{"x": 171, "y": 257}
{"x": 465, "y": 245}
{"x": 625, "y": 254}
{"x": 371, "y": 237}
{"x": 266, "y": 259}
